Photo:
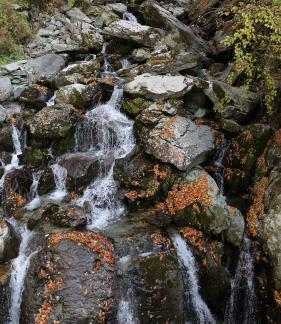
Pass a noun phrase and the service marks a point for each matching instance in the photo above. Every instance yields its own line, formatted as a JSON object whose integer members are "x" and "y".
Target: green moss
{"x": 33, "y": 157}
{"x": 135, "y": 106}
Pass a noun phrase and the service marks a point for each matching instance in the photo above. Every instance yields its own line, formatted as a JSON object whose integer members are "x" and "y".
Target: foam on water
{"x": 60, "y": 174}
{"x": 187, "y": 260}
{"x": 129, "y": 16}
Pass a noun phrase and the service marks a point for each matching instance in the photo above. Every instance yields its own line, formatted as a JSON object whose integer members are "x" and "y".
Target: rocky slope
{"x": 136, "y": 202}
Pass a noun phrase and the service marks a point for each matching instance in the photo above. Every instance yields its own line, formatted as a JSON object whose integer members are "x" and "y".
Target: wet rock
{"x": 270, "y": 225}
{"x": 140, "y": 55}
{"x": 179, "y": 141}
{"x": 195, "y": 200}
{"x": 46, "y": 182}
{"x": 9, "y": 241}
{"x": 72, "y": 216}
{"x": 45, "y": 68}
{"x": 74, "y": 270}
{"x": 5, "y": 271}
{"x": 230, "y": 126}
{"x": 32, "y": 156}
{"x": 5, "y": 89}
{"x": 52, "y": 122}
{"x": 59, "y": 35}
{"x": 78, "y": 95}
{"x": 134, "y": 32}
{"x": 155, "y": 15}
{"x": 134, "y": 106}
{"x": 81, "y": 72}
{"x": 81, "y": 169}
{"x": 160, "y": 291}
{"x": 159, "y": 86}
{"x": 6, "y": 141}
{"x": 273, "y": 154}
{"x": 35, "y": 96}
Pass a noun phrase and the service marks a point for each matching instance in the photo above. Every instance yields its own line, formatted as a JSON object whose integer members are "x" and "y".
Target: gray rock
{"x": 9, "y": 241}
{"x": 6, "y": 89}
{"x": 179, "y": 141}
{"x": 159, "y": 86}
{"x": 140, "y": 55}
{"x": 52, "y": 122}
{"x": 3, "y": 114}
{"x": 76, "y": 15}
{"x": 133, "y": 31}
{"x": 45, "y": 68}
{"x": 118, "y": 8}
{"x": 108, "y": 18}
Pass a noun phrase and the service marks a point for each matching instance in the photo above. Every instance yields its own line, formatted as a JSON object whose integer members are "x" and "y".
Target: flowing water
{"x": 35, "y": 198}
{"x": 52, "y": 100}
{"x": 14, "y": 164}
{"x": 241, "y": 307}
{"x": 200, "y": 308}
{"x": 19, "y": 268}
{"x": 107, "y": 70}
{"x": 60, "y": 174}
{"x": 107, "y": 134}
{"x": 125, "y": 63}
{"x": 218, "y": 163}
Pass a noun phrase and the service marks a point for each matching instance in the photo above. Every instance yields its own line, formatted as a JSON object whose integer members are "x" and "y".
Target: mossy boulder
{"x": 135, "y": 106}
{"x": 32, "y": 156}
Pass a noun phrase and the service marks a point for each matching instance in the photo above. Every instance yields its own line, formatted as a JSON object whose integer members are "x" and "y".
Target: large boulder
{"x": 155, "y": 15}
{"x": 35, "y": 96}
{"x": 133, "y": 31}
{"x": 70, "y": 279}
{"x": 6, "y": 89}
{"x": 159, "y": 86}
{"x": 179, "y": 141}
{"x": 82, "y": 72}
{"x": 52, "y": 122}
{"x": 61, "y": 35}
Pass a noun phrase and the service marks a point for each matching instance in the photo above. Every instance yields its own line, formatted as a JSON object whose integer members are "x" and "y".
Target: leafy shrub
{"x": 257, "y": 46}
{"x": 14, "y": 29}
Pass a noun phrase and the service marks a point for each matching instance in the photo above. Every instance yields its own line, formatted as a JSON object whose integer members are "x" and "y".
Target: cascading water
{"x": 19, "y": 268}
{"x": 202, "y": 313}
{"x": 35, "y": 198}
{"x": 125, "y": 63}
{"x": 129, "y": 16}
{"x": 126, "y": 308}
{"x": 241, "y": 307}
{"x": 60, "y": 174}
{"x": 14, "y": 164}
{"x": 51, "y": 101}
{"x": 106, "y": 64}
{"x": 218, "y": 162}
{"x": 107, "y": 134}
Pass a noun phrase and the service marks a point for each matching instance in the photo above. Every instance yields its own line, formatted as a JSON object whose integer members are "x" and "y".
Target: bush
{"x": 257, "y": 46}
{"x": 14, "y": 29}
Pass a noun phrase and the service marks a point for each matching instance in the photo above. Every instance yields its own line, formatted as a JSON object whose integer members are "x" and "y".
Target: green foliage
{"x": 78, "y": 3}
{"x": 14, "y": 30}
{"x": 257, "y": 46}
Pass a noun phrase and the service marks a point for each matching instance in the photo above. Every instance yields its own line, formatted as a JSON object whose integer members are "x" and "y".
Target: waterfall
{"x": 19, "y": 268}
{"x": 60, "y": 174}
{"x": 108, "y": 134}
{"x": 125, "y": 63}
{"x": 241, "y": 307}
{"x": 129, "y": 16}
{"x": 35, "y": 198}
{"x": 14, "y": 164}
{"x": 51, "y": 101}
{"x": 187, "y": 260}
{"x": 126, "y": 307}
{"x": 106, "y": 64}
{"x": 218, "y": 162}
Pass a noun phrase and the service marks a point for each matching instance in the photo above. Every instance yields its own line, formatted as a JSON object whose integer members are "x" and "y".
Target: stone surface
{"x": 179, "y": 141}
{"x": 9, "y": 242}
{"x": 36, "y": 96}
{"x": 159, "y": 86}
{"x": 133, "y": 31}
{"x": 5, "y": 89}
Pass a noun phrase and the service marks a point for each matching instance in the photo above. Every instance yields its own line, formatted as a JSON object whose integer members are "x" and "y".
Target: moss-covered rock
{"x": 32, "y": 156}
{"x": 135, "y": 106}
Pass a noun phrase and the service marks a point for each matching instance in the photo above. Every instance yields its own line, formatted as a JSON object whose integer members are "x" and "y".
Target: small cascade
{"x": 129, "y": 16}
{"x": 35, "y": 198}
{"x": 125, "y": 63}
{"x": 51, "y": 101}
{"x": 14, "y": 164}
{"x": 218, "y": 163}
{"x": 60, "y": 174}
{"x": 108, "y": 134}
{"x": 106, "y": 64}
{"x": 126, "y": 308}
{"x": 199, "y": 307}
{"x": 19, "y": 268}
{"x": 241, "y": 307}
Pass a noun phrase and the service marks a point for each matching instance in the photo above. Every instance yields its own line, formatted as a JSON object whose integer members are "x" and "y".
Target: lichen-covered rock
{"x": 78, "y": 95}
{"x": 52, "y": 122}
{"x": 9, "y": 241}
{"x": 6, "y": 89}
{"x": 134, "y": 32}
{"x": 82, "y": 72}
{"x": 74, "y": 270}
{"x": 71, "y": 216}
{"x": 35, "y": 96}
{"x": 134, "y": 106}
{"x": 179, "y": 141}
{"x": 159, "y": 86}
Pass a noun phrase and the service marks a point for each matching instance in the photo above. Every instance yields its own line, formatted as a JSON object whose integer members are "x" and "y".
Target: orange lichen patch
{"x": 40, "y": 88}
{"x": 257, "y": 208}
{"x": 43, "y": 313}
{"x": 53, "y": 285}
{"x": 161, "y": 240}
{"x": 2, "y": 223}
{"x": 166, "y": 131}
{"x": 102, "y": 313}
{"x": 132, "y": 195}
{"x": 94, "y": 241}
{"x": 277, "y": 297}
{"x": 248, "y": 136}
{"x": 185, "y": 195}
